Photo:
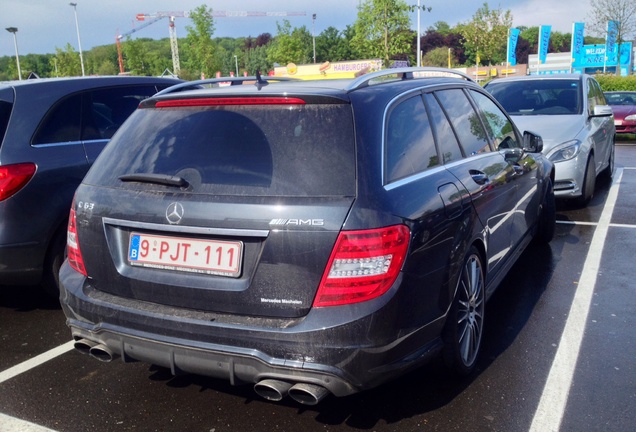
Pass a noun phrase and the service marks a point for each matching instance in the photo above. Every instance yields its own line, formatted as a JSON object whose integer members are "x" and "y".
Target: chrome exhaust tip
{"x": 271, "y": 389}
{"x": 101, "y": 353}
{"x": 308, "y": 394}
{"x": 84, "y": 345}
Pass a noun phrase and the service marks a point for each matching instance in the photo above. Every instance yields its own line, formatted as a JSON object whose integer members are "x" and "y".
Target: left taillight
{"x": 363, "y": 265}
{"x": 72, "y": 244}
{"x": 14, "y": 177}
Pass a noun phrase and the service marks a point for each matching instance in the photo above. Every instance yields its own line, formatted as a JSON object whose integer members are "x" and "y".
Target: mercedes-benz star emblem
{"x": 174, "y": 213}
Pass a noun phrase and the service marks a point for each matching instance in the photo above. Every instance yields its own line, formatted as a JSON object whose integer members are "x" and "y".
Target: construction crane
{"x": 174, "y": 47}
{"x": 152, "y": 18}
{"x": 118, "y": 39}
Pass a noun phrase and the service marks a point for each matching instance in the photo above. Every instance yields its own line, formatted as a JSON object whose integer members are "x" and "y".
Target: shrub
{"x": 616, "y": 83}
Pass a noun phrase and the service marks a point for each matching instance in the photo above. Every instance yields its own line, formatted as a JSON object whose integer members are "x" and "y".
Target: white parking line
{"x": 554, "y": 398}
{"x": 35, "y": 361}
{"x": 612, "y": 225}
{"x": 12, "y": 424}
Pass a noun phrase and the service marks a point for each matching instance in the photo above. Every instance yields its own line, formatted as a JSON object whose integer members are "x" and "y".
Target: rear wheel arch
{"x": 589, "y": 180}
{"x": 53, "y": 260}
{"x": 463, "y": 331}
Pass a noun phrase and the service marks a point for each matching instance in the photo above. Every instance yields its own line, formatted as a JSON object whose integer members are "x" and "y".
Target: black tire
{"x": 464, "y": 326}
{"x": 608, "y": 172}
{"x": 54, "y": 259}
{"x": 589, "y": 183}
{"x": 546, "y": 223}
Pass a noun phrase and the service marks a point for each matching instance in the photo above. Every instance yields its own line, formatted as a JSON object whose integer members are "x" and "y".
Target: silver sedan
{"x": 569, "y": 111}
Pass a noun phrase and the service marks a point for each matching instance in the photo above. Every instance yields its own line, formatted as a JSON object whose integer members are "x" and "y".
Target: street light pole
{"x": 14, "y": 30}
{"x": 313, "y": 33}
{"x": 79, "y": 42}
{"x": 236, "y": 63}
{"x": 419, "y": 61}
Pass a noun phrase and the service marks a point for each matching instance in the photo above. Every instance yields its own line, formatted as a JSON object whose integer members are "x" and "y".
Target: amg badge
{"x": 297, "y": 222}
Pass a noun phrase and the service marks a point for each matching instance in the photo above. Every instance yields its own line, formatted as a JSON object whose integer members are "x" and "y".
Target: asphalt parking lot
{"x": 559, "y": 354}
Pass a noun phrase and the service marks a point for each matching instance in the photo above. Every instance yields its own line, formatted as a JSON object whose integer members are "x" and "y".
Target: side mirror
{"x": 602, "y": 111}
{"x": 532, "y": 142}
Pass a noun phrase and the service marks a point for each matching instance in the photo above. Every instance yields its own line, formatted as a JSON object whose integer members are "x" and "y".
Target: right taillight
{"x": 72, "y": 244}
{"x": 14, "y": 177}
{"x": 363, "y": 265}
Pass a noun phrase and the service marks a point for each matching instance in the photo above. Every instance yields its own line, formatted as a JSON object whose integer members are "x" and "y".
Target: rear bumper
{"x": 343, "y": 352}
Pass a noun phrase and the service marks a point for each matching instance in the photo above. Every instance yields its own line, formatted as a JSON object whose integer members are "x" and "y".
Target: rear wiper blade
{"x": 162, "y": 179}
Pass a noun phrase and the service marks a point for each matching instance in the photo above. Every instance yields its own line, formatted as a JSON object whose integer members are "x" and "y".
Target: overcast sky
{"x": 44, "y": 25}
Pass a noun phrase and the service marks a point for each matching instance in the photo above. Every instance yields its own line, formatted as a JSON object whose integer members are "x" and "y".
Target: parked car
{"x": 570, "y": 113}
{"x": 305, "y": 237}
{"x": 623, "y": 105}
{"x": 51, "y": 131}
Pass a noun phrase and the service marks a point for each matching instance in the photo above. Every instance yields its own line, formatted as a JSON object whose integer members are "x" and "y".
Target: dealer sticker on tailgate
{"x": 213, "y": 257}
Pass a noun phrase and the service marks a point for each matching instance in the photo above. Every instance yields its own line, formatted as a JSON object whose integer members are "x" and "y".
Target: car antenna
{"x": 260, "y": 82}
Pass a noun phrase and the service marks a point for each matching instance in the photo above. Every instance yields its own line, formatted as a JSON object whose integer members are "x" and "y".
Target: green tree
{"x": 348, "y": 50}
{"x": 382, "y": 29}
{"x": 441, "y": 27}
{"x": 201, "y": 47}
{"x": 485, "y": 36}
{"x": 255, "y": 53}
{"x": 561, "y": 41}
{"x": 330, "y": 46}
{"x": 437, "y": 57}
{"x": 135, "y": 54}
{"x": 66, "y": 62}
{"x": 256, "y": 60}
{"x": 290, "y": 45}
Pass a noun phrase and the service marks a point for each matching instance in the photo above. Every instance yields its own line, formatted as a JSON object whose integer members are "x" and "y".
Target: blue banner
{"x": 578, "y": 29}
{"x": 512, "y": 46}
{"x": 595, "y": 56}
{"x": 610, "y": 38}
{"x": 544, "y": 41}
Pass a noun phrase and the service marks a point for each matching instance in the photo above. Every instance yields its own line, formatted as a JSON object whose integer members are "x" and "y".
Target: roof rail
{"x": 210, "y": 82}
{"x": 406, "y": 73}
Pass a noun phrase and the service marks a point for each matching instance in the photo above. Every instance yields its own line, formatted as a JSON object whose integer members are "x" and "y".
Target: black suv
{"x": 306, "y": 237}
{"x": 51, "y": 131}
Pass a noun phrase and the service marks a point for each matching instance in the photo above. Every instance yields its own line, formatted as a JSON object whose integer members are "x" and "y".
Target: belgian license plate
{"x": 212, "y": 257}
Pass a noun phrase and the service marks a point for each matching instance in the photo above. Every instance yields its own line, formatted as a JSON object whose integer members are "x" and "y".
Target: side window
{"x": 465, "y": 121}
{"x": 109, "y": 108}
{"x": 91, "y": 115}
{"x": 5, "y": 113}
{"x": 410, "y": 147}
{"x": 594, "y": 95}
{"x": 499, "y": 127}
{"x": 446, "y": 139}
{"x": 61, "y": 123}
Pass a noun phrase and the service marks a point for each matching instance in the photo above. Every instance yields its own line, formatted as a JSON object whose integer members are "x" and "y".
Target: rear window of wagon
{"x": 263, "y": 150}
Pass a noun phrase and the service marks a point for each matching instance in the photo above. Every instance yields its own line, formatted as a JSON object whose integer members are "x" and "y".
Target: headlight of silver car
{"x": 631, "y": 117}
{"x": 565, "y": 151}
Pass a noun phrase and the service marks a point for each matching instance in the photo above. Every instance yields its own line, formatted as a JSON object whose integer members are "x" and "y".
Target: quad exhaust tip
{"x": 271, "y": 389}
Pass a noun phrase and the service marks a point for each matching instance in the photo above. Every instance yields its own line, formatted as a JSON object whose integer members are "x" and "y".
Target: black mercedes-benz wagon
{"x": 308, "y": 237}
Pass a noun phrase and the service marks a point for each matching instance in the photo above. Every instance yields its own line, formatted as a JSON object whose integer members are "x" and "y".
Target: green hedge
{"x": 617, "y": 83}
